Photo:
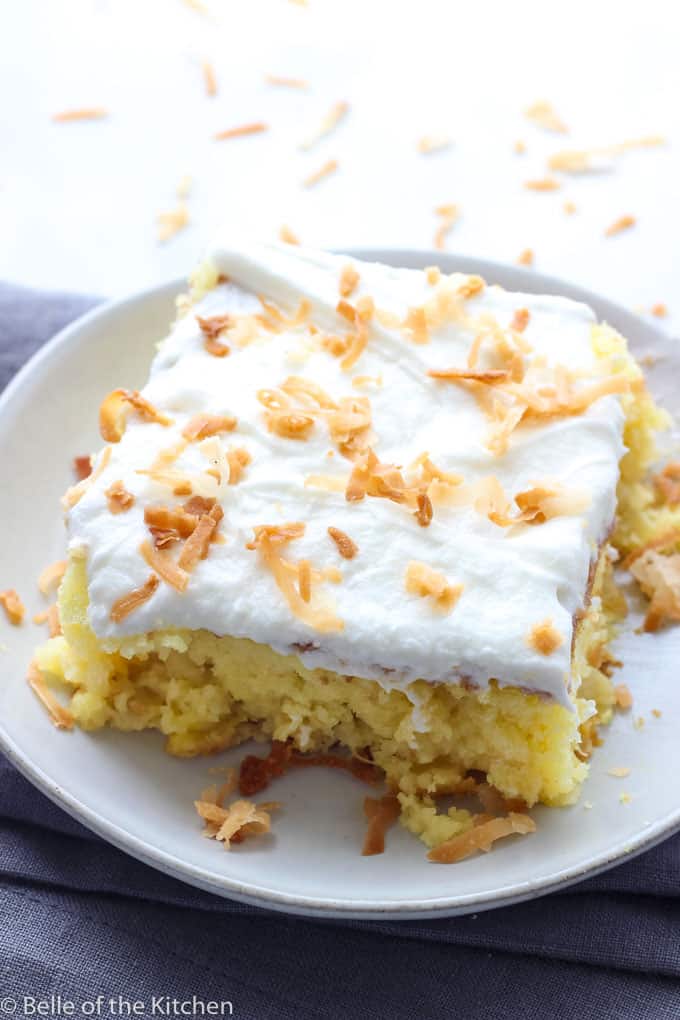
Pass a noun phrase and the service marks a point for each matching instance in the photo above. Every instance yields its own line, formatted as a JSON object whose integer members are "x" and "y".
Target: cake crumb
{"x": 625, "y": 798}
{"x": 619, "y": 772}
{"x": 657, "y": 713}
{"x": 13, "y": 606}
{"x": 587, "y": 805}
{"x": 623, "y": 223}
{"x": 639, "y": 722}
{"x": 623, "y": 696}
{"x": 51, "y": 576}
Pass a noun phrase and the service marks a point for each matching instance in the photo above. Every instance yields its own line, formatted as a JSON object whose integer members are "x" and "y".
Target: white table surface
{"x": 78, "y": 201}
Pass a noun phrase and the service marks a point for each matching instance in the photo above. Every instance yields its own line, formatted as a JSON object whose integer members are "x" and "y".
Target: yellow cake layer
{"x": 207, "y": 693}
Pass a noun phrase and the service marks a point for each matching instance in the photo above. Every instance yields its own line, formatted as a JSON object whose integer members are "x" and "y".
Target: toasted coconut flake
{"x": 269, "y": 540}
{"x": 13, "y": 606}
{"x": 198, "y": 543}
{"x": 209, "y": 78}
{"x": 76, "y": 492}
{"x": 172, "y": 221}
{"x": 576, "y": 161}
{"x": 667, "y": 483}
{"x": 184, "y": 186}
{"x": 82, "y": 467}
{"x": 241, "y": 131}
{"x": 543, "y": 184}
{"x": 287, "y": 235}
{"x": 50, "y": 577}
{"x": 519, "y": 147}
{"x": 344, "y": 544}
{"x": 424, "y": 512}
{"x": 433, "y": 143}
{"x": 381, "y": 814}
{"x": 114, "y": 409}
{"x": 525, "y": 257}
{"x": 257, "y": 773}
{"x": 660, "y": 310}
{"x": 118, "y": 498}
{"x": 433, "y": 275}
{"x": 203, "y": 425}
{"x": 619, "y": 772}
{"x": 325, "y": 170}
{"x": 349, "y": 279}
{"x": 659, "y": 578}
{"x": 336, "y": 113}
{"x": 238, "y": 459}
{"x": 60, "y": 716}
{"x": 449, "y": 215}
{"x": 281, "y": 81}
{"x": 163, "y": 564}
{"x": 234, "y": 823}
{"x": 544, "y": 637}
{"x": 81, "y": 113}
{"x": 664, "y": 541}
{"x": 623, "y": 223}
{"x": 329, "y": 483}
{"x": 481, "y": 837}
{"x": 425, "y": 582}
{"x": 544, "y": 116}
{"x": 127, "y": 604}
{"x": 569, "y": 207}
{"x": 624, "y": 698}
{"x": 305, "y": 580}
{"x": 168, "y": 526}
{"x": 491, "y": 375}
{"x": 657, "y": 713}
{"x": 520, "y": 320}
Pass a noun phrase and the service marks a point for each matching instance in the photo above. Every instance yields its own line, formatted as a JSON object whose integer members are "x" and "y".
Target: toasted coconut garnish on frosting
{"x": 163, "y": 564}
{"x": 425, "y": 582}
{"x": 169, "y": 525}
{"x": 433, "y": 275}
{"x": 666, "y": 540}
{"x": 667, "y": 483}
{"x": 241, "y": 130}
{"x": 350, "y": 425}
{"x": 77, "y": 491}
{"x": 114, "y": 410}
{"x": 424, "y": 512}
{"x": 623, "y": 223}
{"x": 118, "y": 498}
{"x": 349, "y": 278}
{"x": 344, "y": 544}
{"x": 490, "y": 375}
{"x": 238, "y": 459}
{"x": 60, "y": 716}
{"x": 544, "y": 637}
{"x": 269, "y": 540}
{"x": 381, "y": 814}
{"x": 197, "y": 544}
{"x": 13, "y": 606}
{"x": 325, "y": 170}
{"x": 525, "y": 257}
{"x": 520, "y": 320}
{"x": 535, "y": 505}
{"x": 481, "y": 837}
{"x": 236, "y": 822}
{"x": 127, "y": 604}
{"x": 543, "y": 184}
{"x": 293, "y": 408}
{"x": 659, "y": 578}
{"x": 287, "y": 235}
{"x": 81, "y": 113}
{"x": 415, "y": 325}
{"x": 203, "y": 425}
{"x": 50, "y": 577}
{"x": 211, "y": 328}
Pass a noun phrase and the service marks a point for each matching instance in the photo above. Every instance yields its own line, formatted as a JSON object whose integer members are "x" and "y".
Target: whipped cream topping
{"x": 512, "y": 578}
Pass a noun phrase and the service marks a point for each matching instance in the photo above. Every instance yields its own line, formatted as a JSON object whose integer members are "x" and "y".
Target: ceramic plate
{"x": 126, "y": 789}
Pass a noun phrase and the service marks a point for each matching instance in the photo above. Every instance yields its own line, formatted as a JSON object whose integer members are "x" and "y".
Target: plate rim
{"x": 269, "y": 898}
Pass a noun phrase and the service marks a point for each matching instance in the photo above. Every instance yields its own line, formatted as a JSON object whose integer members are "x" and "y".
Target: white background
{"x": 78, "y": 201}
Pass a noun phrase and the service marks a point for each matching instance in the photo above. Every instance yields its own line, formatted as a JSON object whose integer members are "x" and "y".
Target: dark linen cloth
{"x": 83, "y": 924}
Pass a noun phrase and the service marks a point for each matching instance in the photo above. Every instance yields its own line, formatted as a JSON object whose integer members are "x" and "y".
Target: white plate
{"x": 126, "y": 789}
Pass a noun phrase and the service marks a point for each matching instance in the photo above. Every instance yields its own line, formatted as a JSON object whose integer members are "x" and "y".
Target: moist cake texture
{"x": 362, "y": 506}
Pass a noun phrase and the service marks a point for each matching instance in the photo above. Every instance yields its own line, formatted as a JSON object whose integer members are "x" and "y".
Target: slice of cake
{"x": 366, "y": 507}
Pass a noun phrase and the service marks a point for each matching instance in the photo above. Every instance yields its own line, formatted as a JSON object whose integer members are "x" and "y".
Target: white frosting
{"x": 512, "y": 578}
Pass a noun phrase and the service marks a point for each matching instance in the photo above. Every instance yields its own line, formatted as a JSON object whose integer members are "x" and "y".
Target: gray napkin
{"x": 81, "y": 921}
